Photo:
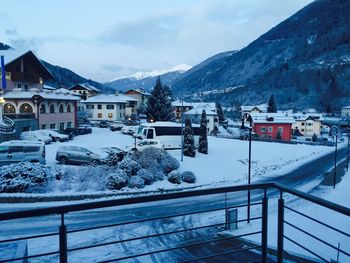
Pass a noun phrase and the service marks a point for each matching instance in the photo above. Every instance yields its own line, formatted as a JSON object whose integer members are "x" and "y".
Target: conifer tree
{"x": 189, "y": 148}
{"x": 203, "y": 140}
{"x": 220, "y": 112}
{"x": 271, "y": 107}
{"x": 159, "y": 106}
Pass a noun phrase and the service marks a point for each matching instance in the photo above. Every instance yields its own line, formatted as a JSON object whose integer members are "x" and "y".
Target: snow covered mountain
{"x": 304, "y": 61}
{"x": 146, "y": 80}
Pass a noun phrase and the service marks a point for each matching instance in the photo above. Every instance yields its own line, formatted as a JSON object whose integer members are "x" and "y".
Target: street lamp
{"x": 182, "y": 130}
{"x": 335, "y": 128}
{"x": 248, "y": 117}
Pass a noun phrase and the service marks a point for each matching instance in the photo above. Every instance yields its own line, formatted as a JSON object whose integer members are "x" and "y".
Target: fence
{"x": 208, "y": 208}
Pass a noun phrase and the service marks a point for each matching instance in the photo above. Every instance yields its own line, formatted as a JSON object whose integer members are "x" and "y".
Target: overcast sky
{"x": 104, "y": 39}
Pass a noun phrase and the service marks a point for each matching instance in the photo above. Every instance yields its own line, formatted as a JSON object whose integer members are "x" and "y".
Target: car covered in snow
{"x": 84, "y": 129}
{"x": 116, "y": 126}
{"x": 77, "y": 155}
{"x": 22, "y": 151}
{"x": 114, "y": 151}
{"x": 35, "y": 136}
{"x": 129, "y": 129}
{"x": 148, "y": 143}
{"x": 56, "y": 137}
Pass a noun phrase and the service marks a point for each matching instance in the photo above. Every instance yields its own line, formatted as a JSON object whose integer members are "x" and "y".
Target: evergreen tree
{"x": 203, "y": 140}
{"x": 189, "y": 148}
{"x": 220, "y": 112}
{"x": 271, "y": 107}
{"x": 159, "y": 106}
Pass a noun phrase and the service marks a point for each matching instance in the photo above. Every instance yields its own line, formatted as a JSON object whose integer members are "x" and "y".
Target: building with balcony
{"x": 141, "y": 98}
{"x": 28, "y": 104}
{"x": 85, "y": 90}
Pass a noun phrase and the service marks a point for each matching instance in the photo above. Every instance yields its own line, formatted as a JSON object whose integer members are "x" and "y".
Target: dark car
{"x": 103, "y": 124}
{"x": 71, "y": 132}
{"x": 84, "y": 129}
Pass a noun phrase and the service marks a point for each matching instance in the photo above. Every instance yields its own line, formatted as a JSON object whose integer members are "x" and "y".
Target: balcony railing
{"x": 212, "y": 218}
{"x": 16, "y": 116}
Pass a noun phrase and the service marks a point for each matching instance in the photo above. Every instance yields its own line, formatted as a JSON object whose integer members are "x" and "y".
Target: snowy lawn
{"x": 226, "y": 163}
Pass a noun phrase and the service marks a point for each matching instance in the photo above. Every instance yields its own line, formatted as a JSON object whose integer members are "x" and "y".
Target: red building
{"x": 274, "y": 126}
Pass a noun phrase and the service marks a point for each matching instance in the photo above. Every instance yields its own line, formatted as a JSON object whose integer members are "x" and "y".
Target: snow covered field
{"x": 226, "y": 163}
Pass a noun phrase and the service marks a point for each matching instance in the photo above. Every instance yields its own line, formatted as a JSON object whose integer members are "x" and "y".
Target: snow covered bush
{"x": 112, "y": 159}
{"x": 158, "y": 176}
{"x": 20, "y": 177}
{"x": 117, "y": 180}
{"x": 174, "y": 177}
{"x": 136, "y": 182}
{"x": 169, "y": 163}
{"x": 146, "y": 175}
{"x": 188, "y": 177}
{"x": 130, "y": 166}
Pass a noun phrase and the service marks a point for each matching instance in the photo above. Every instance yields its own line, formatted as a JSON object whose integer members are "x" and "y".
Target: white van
{"x": 22, "y": 151}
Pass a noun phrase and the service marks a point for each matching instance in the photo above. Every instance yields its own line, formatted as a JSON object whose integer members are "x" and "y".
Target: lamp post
{"x": 182, "y": 131}
{"x": 334, "y": 128}
{"x": 248, "y": 117}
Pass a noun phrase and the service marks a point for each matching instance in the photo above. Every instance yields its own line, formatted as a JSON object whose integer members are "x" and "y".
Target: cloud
{"x": 120, "y": 70}
{"x": 145, "y": 32}
{"x": 11, "y": 32}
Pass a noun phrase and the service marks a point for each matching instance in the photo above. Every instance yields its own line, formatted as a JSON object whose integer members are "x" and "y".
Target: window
{"x": 26, "y": 88}
{"x": 110, "y": 107}
{"x": 99, "y": 115}
{"x": 69, "y": 124}
{"x": 42, "y": 108}
{"x": 120, "y": 107}
{"x": 120, "y": 115}
{"x": 62, "y": 126}
{"x": 19, "y": 85}
{"x": 270, "y": 129}
{"x": 43, "y": 126}
{"x": 4, "y": 149}
{"x": 53, "y": 126}
{"x": 110, "y": 115}
{"x": 31, "y": 149}
{"x": 263, "y": 129}
{"x": 25, "y": 108}
{"x": 68, "y": 108}
{"x": 309, "y": 124}
{"x": 60, "y": 109}
{"x": 302, "y": 124}
{"x": 90, "y": 107}
{"x": 52, "y": 108}
{"x": 15, "y": 149}
{"x": 99, "y": 106}
{"x": 9, "y": 108}
{"x": 124, "y": 106}
{"x": 150, "y": 134}
{"x": 280, "y": 130}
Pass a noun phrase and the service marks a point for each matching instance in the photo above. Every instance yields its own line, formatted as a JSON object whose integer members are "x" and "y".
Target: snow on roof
{"x": 304, "y": 116}
{"x": 272, "y": 118}
{"x": 139, "y": 91}
{"x": 207, "y": 105}
{"x": 261, "y": 107}
{"x": 47, "y": 94}
{"x": 48, "y": 87}
{"x": 110, "y": 98}
{"x": 199, "y": 110}
{"x": 87, "y": 86}
{"x": 346, "y": 107}
{"x": 165, "y": 124}
{"x": 180, "y": 103}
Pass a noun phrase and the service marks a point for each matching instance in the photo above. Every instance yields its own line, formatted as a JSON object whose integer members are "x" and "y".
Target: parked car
{"x": 77, "y": 155}
{"x": 127, "y": 130}
{"x": 114, "y": 150}
{"x": 116, "y": 126}
{"x": 71, "y": 132}
{"x": 34, "y": 136}
{"x": 103, "y": 124}
{"x": 84, "y": 129}
{"x": 22, "y": 151}
{"x": 149, "y": 143}
{"x": 55, "y": 136}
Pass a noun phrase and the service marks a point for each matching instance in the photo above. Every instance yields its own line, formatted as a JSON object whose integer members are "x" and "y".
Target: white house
{"x": 308, "y": 124}
{"x": 108, "y": 107}
{"x": 195, "y": 115}
{"x": 182, "y": 107}
{"x": 254, "y": 109}
{"x": 345, "y": 112}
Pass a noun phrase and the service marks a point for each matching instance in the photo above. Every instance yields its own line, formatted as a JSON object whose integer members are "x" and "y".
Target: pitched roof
{"x": 110, "y": 98}
{"x": 272, "y": 118}
{"x": 47, "y": 94}
{"x": 86, "y": 86}
{"x": 139, "y": 91}
{"x": 199, "y": 110}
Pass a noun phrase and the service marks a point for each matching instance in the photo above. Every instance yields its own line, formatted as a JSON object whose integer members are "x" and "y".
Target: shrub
{"x": 136, "y": 182}
{"x": 158, "y": 176}
{"x": 21, "y": 176}
{"x": 146, "y": 175}
{"x": 169, "y": 163}
{"x": 188, "y": 177}
{"x": 174, "y": 177}
{"x": 112, "y": 159}
{"x": 117, "y": 180}
{"x": 130, "y": 166}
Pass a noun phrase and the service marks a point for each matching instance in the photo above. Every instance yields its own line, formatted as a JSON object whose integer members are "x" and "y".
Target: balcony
{"x": 20, "y": 116}
{"x": 19, "y": 76}
{"x": 187, "y": 226}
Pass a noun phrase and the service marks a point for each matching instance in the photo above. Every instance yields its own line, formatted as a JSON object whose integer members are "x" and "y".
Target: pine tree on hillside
{"x": 271, "y": 106}
{"x": 159, "y": 106}
{"x": 203, "y": 140}
{"x": 189, "y": 148}
{"x": 220, "y": 112}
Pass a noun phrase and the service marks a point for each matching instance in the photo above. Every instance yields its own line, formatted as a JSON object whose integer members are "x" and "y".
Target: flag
{"x": 3, "y": 73}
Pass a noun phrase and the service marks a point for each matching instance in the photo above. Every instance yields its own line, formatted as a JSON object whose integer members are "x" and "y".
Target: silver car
{"x": 22, "y": 151}
{"x": 76, "y": 155}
